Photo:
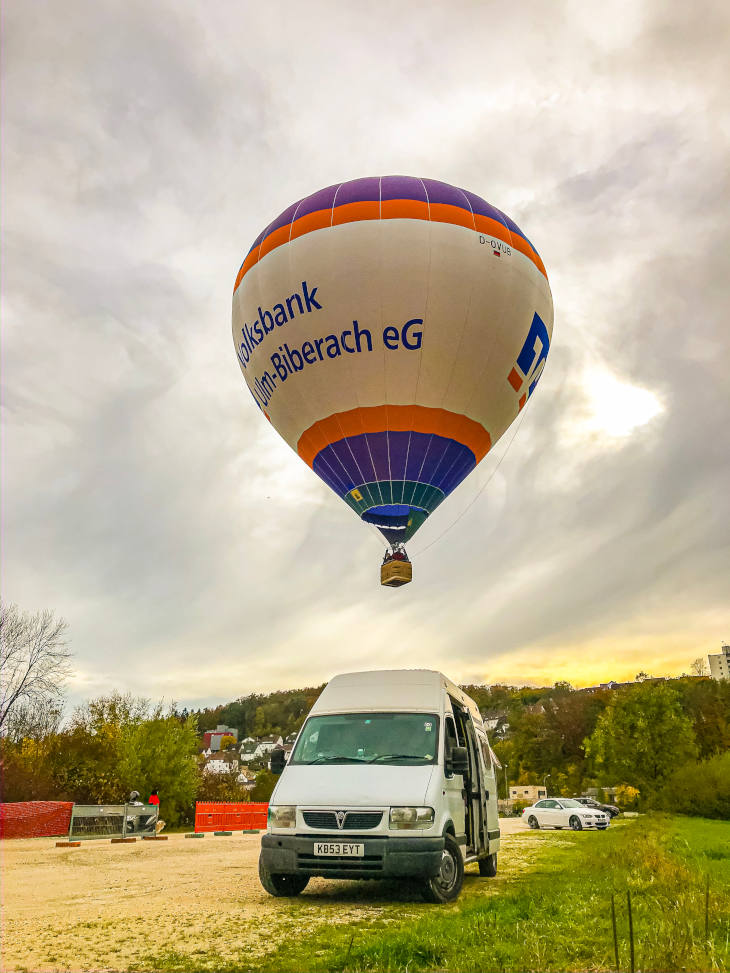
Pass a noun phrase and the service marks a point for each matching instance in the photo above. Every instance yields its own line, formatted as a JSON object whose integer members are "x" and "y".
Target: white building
{"x": 257, "y": 749}
{"x": 527, "y": 792}
{"x": 720, "y": 664}
{"x": 221, "y": 763}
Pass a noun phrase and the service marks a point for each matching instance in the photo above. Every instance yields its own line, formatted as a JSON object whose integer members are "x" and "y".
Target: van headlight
{"x": 411, "y": 818}
{"x": 282, "y": 816}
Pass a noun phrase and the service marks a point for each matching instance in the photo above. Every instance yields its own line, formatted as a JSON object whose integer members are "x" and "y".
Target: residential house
{"x": 221, "y": 763}
{"x": 212, "y": 738}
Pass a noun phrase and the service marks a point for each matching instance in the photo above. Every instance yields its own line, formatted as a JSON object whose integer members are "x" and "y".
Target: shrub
{"x": 626, "y": 797}
{"x": 700, "y": 788}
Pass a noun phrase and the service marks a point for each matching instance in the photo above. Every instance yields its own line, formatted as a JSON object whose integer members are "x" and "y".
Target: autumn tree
{"x": 642, "y": 736}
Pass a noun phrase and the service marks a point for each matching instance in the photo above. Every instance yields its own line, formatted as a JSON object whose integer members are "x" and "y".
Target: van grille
{"x": 369, "y": 863}
{"x": 354, "y": 820}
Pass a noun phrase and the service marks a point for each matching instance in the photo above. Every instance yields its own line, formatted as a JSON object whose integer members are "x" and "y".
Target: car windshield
{"x": 569, "y": 802}
{"x": 401, "y": 739}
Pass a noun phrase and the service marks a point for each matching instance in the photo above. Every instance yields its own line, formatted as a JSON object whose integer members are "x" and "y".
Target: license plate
{"x": 341, "y": 849}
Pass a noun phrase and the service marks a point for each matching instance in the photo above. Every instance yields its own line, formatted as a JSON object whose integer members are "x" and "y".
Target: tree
{"x": 264, "y": 787}
{"x": 227, "y": 740}
{"x": 699, "y": 667}
{"x": 642, "y": 736}
{"x": 36, "y": 720}
{"x": 118, "y": 743}
{"x": 159, "y": 753}
{"x": 34, "y": 659}
{"x": 221, "y": 787}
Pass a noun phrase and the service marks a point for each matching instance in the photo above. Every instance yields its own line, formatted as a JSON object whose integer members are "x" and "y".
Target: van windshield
{"x": 404, "y": 739}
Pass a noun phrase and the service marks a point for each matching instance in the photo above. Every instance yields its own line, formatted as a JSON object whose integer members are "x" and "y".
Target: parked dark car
{"x": 608, "y": 808}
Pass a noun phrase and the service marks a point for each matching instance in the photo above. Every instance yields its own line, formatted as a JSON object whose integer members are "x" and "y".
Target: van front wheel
{"x": 446, "y": 884}
{"x": 488, "y": 866}
{"x": 281, "y": 885}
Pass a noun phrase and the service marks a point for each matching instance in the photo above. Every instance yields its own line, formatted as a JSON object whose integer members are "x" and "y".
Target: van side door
{"x": 453, "y": 787}
{"x": 478, "y": 789}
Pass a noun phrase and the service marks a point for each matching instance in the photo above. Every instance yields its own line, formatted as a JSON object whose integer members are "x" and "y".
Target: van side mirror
{"x": 278, "y": 760}
{"x": 458, "y": 762}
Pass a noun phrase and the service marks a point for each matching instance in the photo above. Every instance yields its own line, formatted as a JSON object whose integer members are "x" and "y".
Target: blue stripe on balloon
{"x": 383, "y": 456}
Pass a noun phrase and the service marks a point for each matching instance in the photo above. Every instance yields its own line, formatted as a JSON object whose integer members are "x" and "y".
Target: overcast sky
{"x": 145, "y": 498}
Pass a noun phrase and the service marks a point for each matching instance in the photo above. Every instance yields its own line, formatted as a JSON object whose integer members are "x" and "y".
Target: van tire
{"x": 281, "y": 885}
{"x": 446, "y": 885}
{"x": 488, "y": 866}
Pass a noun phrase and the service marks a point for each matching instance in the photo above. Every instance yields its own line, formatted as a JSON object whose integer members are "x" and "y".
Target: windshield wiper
{"x": 336, "y": 756}
{"x": 396, "y": 756}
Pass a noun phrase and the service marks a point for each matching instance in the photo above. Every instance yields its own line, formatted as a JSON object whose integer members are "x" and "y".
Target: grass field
{"x": 551, "y": 910}
{"x": 182, "y": 906}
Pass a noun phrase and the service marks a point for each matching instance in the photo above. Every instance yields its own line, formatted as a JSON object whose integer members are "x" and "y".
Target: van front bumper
{"x": 384, "y": 857}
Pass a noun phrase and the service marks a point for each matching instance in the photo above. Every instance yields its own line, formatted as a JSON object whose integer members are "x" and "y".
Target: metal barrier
{"x": 113, "y": 821}
{"x": 221, "y": 816}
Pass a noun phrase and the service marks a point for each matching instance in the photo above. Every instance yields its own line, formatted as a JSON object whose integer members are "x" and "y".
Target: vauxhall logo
{"x": 340, "y": 818}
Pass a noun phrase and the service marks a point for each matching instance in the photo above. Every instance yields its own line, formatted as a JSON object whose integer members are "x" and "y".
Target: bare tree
{"x": 699, "y": 667}
{"x": 34, "y": 659}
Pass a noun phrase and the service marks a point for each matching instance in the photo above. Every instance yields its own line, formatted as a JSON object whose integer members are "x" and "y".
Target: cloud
{"x": 147, "y": 501}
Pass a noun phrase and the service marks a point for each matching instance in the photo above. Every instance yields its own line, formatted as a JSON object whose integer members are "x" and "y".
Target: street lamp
{"x": 544, "y": 782}
{"x": 506, "y": 786}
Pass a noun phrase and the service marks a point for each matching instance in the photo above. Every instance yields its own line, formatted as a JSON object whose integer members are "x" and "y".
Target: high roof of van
{"x": 391, "y": 690}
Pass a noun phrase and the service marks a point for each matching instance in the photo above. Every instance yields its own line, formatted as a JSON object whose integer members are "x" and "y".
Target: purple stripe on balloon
{"x": 257, "y": 242}
{"x": 283, "y": 220}
{"x": 482, "y": 207}
{"x": 372, "y": 188}
{"x": 402, "y": 187}
{"x": 359, "y": 191}
{"x": 442, "y": 192}
{"x": 320, "y": 200}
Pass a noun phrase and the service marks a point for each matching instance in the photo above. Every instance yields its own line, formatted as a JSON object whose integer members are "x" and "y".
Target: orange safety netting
{"x": 230, "y": 817}
{"x": 35, "y": 819}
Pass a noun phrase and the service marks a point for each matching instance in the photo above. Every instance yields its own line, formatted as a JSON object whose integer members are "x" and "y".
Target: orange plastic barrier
{"x": 230, "y": 817}
{"x": 35, "y": 819}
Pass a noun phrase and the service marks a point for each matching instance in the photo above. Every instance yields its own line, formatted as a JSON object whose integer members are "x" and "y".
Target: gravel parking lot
{"x": 107, "y": 907}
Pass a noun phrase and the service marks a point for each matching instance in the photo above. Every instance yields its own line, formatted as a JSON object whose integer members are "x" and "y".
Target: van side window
{"x": 450, "y": 738}
{"x": 486, "y": 755}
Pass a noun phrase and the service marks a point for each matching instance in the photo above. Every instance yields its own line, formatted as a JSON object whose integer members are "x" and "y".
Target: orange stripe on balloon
{"x": 274, "y": 240}
{"x": 404, "y": 209}
{"x": 492, "y": 228}
{"x": 312, "y": 221}
{"x": 446, "y": 213}
{"x": 250, "y": 260}
{"x": 389, "y": 209}
{"x": 354, "y": 212}
{"x": 396, "y": 418}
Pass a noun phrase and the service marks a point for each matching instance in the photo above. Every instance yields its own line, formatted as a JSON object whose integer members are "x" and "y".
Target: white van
{"x": 391, "y": 776}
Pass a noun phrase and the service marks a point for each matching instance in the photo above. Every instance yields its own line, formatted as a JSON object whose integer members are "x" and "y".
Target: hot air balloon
{"x": 391, "y": 329}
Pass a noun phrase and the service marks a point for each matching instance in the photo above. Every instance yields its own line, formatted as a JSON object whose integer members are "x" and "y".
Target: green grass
{"x": 549, "y": 909}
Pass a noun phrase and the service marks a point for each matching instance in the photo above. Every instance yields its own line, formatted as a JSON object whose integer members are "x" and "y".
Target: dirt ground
{"x": 117, "y": 907}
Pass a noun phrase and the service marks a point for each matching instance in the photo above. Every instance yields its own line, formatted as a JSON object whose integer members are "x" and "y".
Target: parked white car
{"x": 564, "y": 812}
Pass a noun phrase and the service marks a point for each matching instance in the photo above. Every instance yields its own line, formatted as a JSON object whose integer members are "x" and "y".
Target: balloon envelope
{"x": 391, "y": 329}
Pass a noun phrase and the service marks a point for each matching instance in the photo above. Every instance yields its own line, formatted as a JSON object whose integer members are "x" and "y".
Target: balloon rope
{"x": 481, "y": 489}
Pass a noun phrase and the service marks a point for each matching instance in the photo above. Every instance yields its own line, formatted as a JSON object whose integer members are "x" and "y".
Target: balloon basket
{"x": 395, "y": 573}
